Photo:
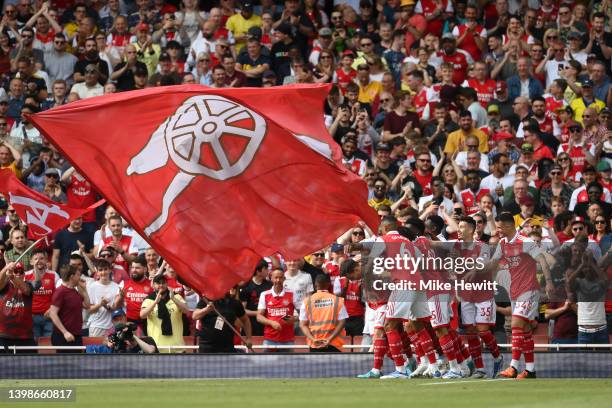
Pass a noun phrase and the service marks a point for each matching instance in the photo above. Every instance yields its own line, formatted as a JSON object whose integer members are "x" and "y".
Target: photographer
{"x": 125, "y": 341}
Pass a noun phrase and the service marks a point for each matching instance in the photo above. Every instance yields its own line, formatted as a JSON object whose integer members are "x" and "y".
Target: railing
{"x": 554, "y": 347}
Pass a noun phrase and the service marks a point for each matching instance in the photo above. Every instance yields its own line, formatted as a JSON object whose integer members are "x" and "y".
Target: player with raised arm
{"x": 522, "y": 257}
{"x": 405, "y": 305}
{"x": 477, "y": 304}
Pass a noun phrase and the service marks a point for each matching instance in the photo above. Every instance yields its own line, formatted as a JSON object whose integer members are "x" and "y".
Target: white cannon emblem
{"x": 208, "y": 135}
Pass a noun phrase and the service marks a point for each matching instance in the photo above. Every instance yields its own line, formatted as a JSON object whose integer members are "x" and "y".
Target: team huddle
{"x": 413, "y": 326}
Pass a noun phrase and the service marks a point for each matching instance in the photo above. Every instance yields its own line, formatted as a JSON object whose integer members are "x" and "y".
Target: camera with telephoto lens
{"x": 124, "y": 332}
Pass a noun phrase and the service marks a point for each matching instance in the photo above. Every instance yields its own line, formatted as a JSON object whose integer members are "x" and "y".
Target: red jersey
{"x": 277, "y": 307}
{"x": 485, "y": 90}
{"x": 80, "y": 194}
{"x": 428, "y": 9}
{"x": 424, "y": 181}
{"x": 126, "y": 244}
{"x": 519, "y": 254}
{"x": 460, "y": 65}
{"x": 120, "y": 40}
{"x": 548, "y": 15}
{"x": 576, "y": 154}
{"x": 546, "y": 124}
{"x": 583, "y": 196}
{"x": 470, "y": 200}
{"x": 542, "y": 151}
{"x": 420, "y": 101}
{"x": 469, "y": 44}
{"x": 355, "y": 165}
{"x": 344, "y": 79}
{"x": 352, "y": 296}
{"x": 41, "y": 300}
{"x": 15, "y": 313}
{"x": 553, "y": 104}
{"x": 135, "y": 294}
{"x": 475, "y": 250}
{"x": 398, "y": 245}
{"x": 431, "y": 274}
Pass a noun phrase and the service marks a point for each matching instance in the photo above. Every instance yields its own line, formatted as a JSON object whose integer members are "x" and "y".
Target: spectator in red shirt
{"x": 41, "y": 300}
{"x": 424, "y": 170}
{"x": 276, "y": 312}
{"x": 135, "y": 291}
{"x": 471, "y": 35}
{"x": 413, "y": 24}
{"x": 450, "y": 55}
{"x": 15, "y": 308}
{"x": 66, "y": 309}
{"x": 540, "y": 150}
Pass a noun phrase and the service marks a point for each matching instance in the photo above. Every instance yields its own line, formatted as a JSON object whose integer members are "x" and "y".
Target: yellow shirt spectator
{"x": 239, "y": 26}
{"x": 457, "y": 139}
{"x": 579, "y": 106}
{"x": 149, "y": 57}
{"x": 368, "y": 93}
{"x": 154, "y": 325}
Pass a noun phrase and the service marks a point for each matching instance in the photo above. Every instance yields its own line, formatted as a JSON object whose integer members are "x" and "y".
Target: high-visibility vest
{"x": 322, "y": 309}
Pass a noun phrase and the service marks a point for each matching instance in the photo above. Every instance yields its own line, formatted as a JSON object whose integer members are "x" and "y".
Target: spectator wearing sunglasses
{"x": 16, "y": 308}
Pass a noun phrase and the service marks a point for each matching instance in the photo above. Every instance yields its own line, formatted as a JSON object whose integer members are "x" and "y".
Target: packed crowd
{"x": 446, "y": 109}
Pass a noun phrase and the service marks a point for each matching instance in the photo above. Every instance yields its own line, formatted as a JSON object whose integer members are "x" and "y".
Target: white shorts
{"x": 440, "y": 310}
{"x": 379, "y": 317}
{"x": 407, "y": 305}
{"x": 478, "y": 313}
{"x": 526, "y": 305}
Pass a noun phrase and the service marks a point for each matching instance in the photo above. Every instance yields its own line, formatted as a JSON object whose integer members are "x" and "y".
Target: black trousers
{"x": 6, "y": 343}
{"x": 354, "y": 326}
{"x": 57, "y": 339}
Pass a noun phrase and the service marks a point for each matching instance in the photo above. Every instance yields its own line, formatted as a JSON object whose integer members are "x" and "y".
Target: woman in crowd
{"x": 324, "y": 71}
{"x": 570, "y": 175}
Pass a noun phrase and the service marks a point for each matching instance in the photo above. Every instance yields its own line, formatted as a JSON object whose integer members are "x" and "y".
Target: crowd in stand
{"x": 445, "y": 108}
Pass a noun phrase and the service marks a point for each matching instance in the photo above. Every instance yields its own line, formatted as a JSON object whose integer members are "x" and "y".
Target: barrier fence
{"x": 351, "y": 347}
{"x": 564, "y": 364}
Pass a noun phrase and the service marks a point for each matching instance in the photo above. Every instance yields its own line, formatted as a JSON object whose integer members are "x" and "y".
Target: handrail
{"x": 304, "y": 347}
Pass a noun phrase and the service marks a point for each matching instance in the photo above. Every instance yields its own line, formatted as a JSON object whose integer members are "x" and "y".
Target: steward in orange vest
{"x": 322, "y": 318}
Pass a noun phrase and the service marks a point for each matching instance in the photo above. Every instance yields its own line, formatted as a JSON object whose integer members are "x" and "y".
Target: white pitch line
{"x": 467, "y": 381}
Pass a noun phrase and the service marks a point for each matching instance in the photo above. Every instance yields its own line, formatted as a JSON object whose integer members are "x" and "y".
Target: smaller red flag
{"x": 42, "y": 215}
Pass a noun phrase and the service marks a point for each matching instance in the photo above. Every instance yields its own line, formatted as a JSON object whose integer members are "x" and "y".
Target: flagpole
{"x": 247, "y": 343}
{"x": 29, "y": 249}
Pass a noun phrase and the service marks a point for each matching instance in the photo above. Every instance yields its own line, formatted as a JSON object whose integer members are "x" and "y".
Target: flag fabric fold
{"x": 215, "y": 179}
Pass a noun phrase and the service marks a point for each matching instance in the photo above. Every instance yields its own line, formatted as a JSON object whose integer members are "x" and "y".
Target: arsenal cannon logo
{"x": 208, "y": 135}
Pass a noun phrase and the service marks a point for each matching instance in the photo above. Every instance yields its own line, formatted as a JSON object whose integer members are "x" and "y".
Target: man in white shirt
{"x": 499, "y": 179}
{"x": 90, "y": 87}
{"x": 104, "y": 298}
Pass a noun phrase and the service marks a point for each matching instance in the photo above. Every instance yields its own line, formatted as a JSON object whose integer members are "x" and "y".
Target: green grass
{"x": 332, "y": 393}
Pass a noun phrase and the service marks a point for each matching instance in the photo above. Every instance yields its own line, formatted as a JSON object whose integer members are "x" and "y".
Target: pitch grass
{"x": 332, "y": 393}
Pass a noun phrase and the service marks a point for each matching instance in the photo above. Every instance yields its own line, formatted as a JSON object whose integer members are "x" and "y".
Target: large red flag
{"x": 215, "y": 179}
{"x": 42, "y": 215}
